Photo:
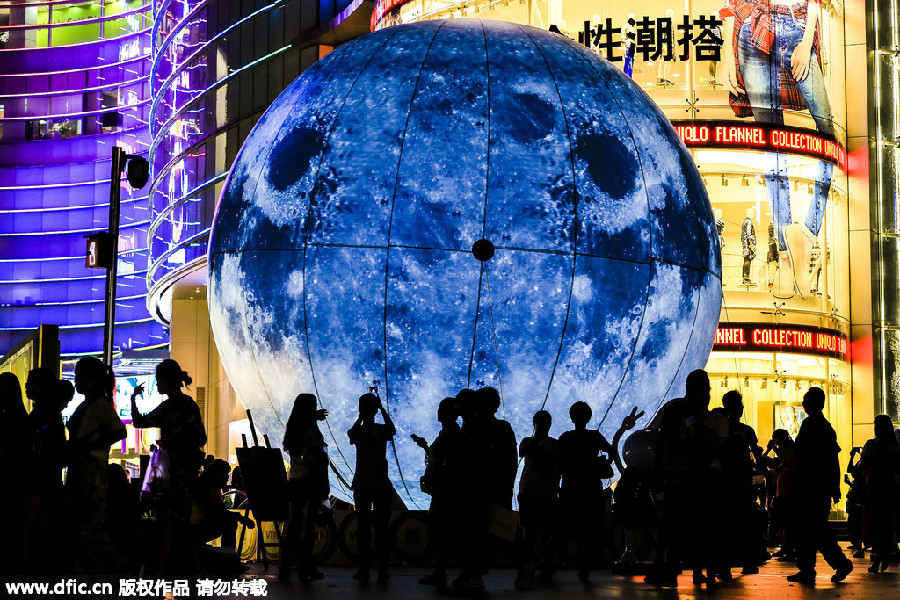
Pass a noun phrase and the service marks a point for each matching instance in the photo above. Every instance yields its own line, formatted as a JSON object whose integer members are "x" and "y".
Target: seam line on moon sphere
{"x": 637, "y": 154}
{"x": 487, "y": 281}
{"x": 622, "y": 259}
{"x": 475, "y": 326}
{"x": 487, "y": 186}
{"x": 306, "y": 244}
{"x": 688, "y": 345}
{"x": 387, "y": 256}
{"x": 565, "y": 116}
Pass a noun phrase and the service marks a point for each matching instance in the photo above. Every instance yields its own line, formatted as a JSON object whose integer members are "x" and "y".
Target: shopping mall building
{"x": 184, "y": 82}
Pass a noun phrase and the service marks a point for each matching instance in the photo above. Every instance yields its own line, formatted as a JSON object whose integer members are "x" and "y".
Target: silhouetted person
{"x": 443, "y": 479}
{"x": 42, "y": 519}
{"x": 492, "y": 463}
{"x": 307, "y": 485}
{"x": 14, "y": 441}
{"x": 465, "y": 405}
{"x": 704, "y": 438}
{"x": 673, "y": 472}
{"x": 856, "y": 494}
{"x": 237, "y": 483}
{"x": 93, "y": 428}
{"x": 181, "y": 435}
{"x": 785, "y": 498}
{"x": 538, "y": 499}
{"x": 819, "y": 484}
{"x": 496, "y": 445}
{"x": 583, "y": 470}
{"x": 124, "y": 512}
{"x": 372, "y": 488}
{"x": 14, "y": 448}
{"x": 209, "y": 518}
{"x": 741, "y": 455}
{"x": 880, "y": 464}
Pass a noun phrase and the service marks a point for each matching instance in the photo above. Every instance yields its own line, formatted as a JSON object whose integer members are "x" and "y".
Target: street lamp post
{"x": 103, "y": 247}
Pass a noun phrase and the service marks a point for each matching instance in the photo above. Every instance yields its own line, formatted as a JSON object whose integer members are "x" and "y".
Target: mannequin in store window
{"x": 720, "y": 229}
{"x": 773, "y": 63}
{"x": 748, "y": 244}
{"x": 771, "y": 257}
{"x": 629, "y": 35}
{"x": 714, "y": 64}
{"x": 664, "y": 70}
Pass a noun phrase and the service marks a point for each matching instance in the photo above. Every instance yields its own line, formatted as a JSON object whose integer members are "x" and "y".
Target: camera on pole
{"x": 138, "y": 172}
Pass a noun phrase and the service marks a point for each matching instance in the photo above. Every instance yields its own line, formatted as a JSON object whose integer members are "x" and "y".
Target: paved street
{"x": 770, "y": 583}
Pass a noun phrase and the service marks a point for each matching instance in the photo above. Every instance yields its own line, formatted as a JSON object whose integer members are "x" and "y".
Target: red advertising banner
{"x": 759, "y": 136}
{"x": 755, "y": 337}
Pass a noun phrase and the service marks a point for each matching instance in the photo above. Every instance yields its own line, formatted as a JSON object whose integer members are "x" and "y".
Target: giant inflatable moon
{"x": 341, "y": 254}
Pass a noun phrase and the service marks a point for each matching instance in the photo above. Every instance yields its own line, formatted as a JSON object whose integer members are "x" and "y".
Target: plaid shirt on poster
{"x": 762, "y": 27}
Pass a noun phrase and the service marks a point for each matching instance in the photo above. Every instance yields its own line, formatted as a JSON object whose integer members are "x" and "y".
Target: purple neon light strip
{"x": 176, "y": 70}
{"x": 102, "y": 19}
{"x": 138, "y": 58}
{"x": 130, "y": 82}
{"x": 78, "y": 115}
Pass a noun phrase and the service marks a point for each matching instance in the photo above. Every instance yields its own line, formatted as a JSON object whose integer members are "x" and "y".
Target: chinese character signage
{"x": 661, "y": 38}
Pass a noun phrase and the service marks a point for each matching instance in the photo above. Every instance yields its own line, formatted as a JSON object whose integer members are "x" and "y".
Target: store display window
{"x": 777, "y": 178}
{"x": 773, "y": 385}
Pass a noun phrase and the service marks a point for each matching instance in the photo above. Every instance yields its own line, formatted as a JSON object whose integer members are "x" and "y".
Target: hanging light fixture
{"x": 745, "y": 182}
{"x": 724, "y": 181}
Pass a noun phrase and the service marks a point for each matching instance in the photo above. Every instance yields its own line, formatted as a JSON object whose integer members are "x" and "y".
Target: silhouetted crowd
{"x": 91, "y": 527}
{"x": 695, "y": 485}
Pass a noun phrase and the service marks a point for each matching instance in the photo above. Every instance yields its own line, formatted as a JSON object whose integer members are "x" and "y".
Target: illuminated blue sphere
{"x": 341, "y": 255}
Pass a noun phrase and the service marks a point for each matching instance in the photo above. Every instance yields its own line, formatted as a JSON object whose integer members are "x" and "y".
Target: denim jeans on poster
{"x": 762, "y": 81}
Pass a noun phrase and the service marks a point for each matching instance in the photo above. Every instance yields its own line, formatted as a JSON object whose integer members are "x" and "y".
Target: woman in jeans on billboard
{"x": 773, "y": 63}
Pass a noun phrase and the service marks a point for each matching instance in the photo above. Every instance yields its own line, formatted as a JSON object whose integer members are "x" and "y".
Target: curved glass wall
{"x": 216, "y": 67}
{"x": 73, "y": 84}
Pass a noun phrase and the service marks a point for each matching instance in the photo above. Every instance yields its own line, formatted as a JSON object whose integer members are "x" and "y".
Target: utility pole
{"x": 103, "y": 247}
{"x": 115, "y": 190}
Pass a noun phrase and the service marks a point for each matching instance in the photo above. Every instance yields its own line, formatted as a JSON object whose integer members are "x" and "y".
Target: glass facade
{"x": 884, "y": 87}
{"x": 74, "y": 83}
{"x": 216, "y": 67}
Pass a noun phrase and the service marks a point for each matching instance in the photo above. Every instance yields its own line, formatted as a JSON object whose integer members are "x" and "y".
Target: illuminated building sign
{"x": 755, "y": 337}
{"x": 759, "y": 136}
{"x": 383, "y": 7}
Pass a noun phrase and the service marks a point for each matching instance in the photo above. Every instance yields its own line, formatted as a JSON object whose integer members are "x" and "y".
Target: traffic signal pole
{"x": 115, "y": 190}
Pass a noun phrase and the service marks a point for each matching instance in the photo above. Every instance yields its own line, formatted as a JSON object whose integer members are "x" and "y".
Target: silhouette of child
{"x": 538, "y": 496}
